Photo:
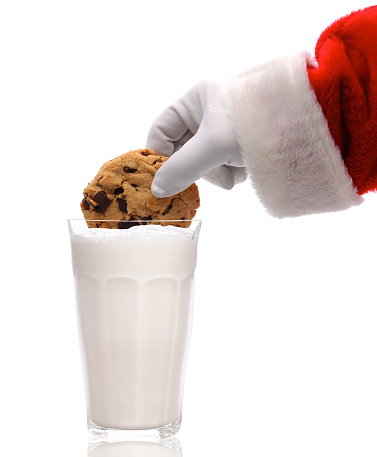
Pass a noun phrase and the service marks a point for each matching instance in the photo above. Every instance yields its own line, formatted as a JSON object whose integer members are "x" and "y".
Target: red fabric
{"x": 345, "y": 84}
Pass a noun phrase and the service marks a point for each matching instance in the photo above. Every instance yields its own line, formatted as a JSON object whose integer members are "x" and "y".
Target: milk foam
{"x": 139, "y": 232}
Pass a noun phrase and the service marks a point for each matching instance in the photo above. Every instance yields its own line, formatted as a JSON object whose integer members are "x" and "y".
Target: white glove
{"x": 197, "y": 133}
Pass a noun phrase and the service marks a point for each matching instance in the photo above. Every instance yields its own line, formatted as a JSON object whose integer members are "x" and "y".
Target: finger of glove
{"x": 167, "y": 129}
{"x": 184, "y": 167}
{"x": 221, "y": 177}
{"x": 178, "y": 121}
{"x": 240, "y": 174}
{"x": 226, "y": 176}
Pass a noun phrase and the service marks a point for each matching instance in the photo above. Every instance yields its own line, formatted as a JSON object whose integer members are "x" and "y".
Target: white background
{"x": 283, "y": 358}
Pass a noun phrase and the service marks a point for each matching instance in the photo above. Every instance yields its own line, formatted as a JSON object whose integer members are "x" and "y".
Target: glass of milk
{"x": 134, "y": 296}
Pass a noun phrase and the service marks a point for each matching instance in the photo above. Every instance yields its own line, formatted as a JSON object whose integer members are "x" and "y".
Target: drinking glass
{"x": 134, "y": 297}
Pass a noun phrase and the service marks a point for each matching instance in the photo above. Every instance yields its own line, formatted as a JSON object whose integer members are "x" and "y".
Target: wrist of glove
{"x": 196, "y": 132}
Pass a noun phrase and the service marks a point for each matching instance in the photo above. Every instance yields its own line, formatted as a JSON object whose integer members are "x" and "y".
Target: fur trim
{"x": 289, "y": 153}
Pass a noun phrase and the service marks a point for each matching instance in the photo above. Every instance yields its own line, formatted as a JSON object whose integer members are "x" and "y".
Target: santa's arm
{"x": 308, "y": 127}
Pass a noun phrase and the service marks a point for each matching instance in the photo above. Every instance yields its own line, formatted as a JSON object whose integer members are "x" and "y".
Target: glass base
{"x": 169, "y": 447}
{"x": 99, "y": 434}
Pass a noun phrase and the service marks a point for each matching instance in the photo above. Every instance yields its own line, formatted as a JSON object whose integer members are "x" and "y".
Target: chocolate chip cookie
{"x": 121, "y": 191}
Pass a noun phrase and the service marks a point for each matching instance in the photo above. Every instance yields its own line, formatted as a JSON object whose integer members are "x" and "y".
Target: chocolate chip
{"x": 85, "y": 203}
{"x": 149, "y": 218}
{"x": 122, "y": 205}
{"x": 118, "y": 191}
{"x": 159, "y": 160}
{"x": 102, "y": 200}
{"x": 169, "y": 207}
{"x": 127, "y": 224}
{"x": 145, "y": 153}
{"x": 129, "y": 170}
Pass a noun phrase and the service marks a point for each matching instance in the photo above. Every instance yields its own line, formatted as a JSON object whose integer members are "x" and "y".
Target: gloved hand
{"x": 197, "y": 134}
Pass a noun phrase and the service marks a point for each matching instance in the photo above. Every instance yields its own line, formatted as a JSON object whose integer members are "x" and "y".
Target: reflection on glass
{"x": 164, "y": 448}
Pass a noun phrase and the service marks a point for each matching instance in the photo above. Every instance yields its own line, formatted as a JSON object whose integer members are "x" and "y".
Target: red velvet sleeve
{"x": 345, "y": 84}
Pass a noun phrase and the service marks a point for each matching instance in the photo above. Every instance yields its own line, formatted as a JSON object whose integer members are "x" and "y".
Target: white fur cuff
{"x": 289, "y": 153}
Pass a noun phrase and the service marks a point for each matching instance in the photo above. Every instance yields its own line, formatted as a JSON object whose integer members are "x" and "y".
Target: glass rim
{"x": 132, "y": 220}
{"x": 79, "y": 224}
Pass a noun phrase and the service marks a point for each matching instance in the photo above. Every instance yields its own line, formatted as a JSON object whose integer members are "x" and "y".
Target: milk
{"x": 134, "y": 294}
